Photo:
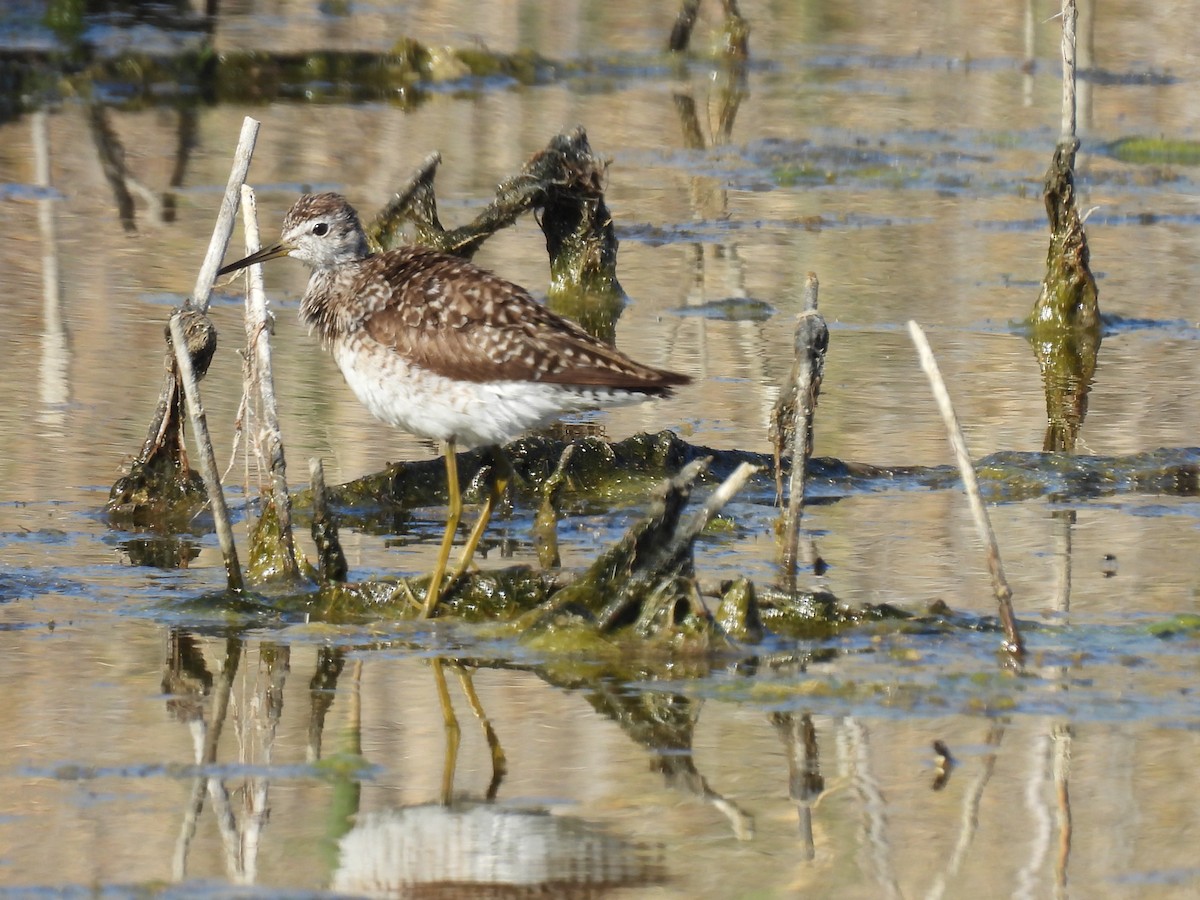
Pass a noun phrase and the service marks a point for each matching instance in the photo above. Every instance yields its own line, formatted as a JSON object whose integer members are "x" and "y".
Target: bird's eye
{"x": 321, "y": 229}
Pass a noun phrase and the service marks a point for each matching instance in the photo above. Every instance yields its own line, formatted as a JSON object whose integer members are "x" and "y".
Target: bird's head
{"x": 321, "y": 230}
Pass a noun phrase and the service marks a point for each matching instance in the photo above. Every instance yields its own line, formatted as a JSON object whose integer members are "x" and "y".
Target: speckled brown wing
{"x": 453, "y": 318}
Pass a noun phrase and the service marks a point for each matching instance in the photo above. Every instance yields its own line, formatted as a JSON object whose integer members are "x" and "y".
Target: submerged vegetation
{"x": 1160, "y": 150}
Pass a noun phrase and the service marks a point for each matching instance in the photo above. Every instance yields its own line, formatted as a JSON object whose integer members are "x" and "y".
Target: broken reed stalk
{"x": 223, "y": 230}
{"x": 811, "y": 342}
{"x": 258, "y": 348}
{"x": 687, "y": 528}
{"x": 726, "y": 491}
{"x": 208, "y": 461}
{"x": 1012, "y": 637}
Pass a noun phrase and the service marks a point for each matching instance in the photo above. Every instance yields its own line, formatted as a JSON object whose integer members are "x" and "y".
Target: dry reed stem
{"x": 1012, "y": 637}
{"x": 208, "y": 462}
{"x": 223, "y": 230}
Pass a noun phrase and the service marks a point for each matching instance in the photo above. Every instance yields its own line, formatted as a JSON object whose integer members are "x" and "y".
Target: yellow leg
{"x": 500, "y": 477}
{"x": 455, "y": 513}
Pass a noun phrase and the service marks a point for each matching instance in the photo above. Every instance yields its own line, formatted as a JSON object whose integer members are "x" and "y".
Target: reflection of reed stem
{"x": 681, "y": 31}
{"x": 54, "y": 388}
{"x": 874, "y": 806}
{"x": 1062, "y": 779}
{"x": 969, "y": 824}
{"x": 266, "y": 709}
{"x": 805, "y": 782}
{"x": 217, "y": 792}
{"x": 1029, "y": 62}
{"x": 354, "y": 711}
{"x": 218, "y": 795}
{"x": 1064, "y": 519}
{"x": 1027, "y": 877}
{"x": 207, "y": 738}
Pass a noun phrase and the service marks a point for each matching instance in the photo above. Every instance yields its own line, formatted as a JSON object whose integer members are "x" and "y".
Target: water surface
{"x": 898, "y": 157}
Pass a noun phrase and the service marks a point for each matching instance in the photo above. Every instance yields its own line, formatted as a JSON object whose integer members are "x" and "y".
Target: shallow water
{"x": 900, "y": 159}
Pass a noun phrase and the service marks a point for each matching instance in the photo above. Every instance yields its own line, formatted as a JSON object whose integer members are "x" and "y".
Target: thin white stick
{"x": 258, "y": 339}
{"x": 1013, "y": 642}
{"x": 687, "y": 529}
{"x": 223, "y": 230}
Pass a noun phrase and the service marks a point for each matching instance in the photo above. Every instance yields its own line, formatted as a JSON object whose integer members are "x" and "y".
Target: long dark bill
{"x": 273, "y": 251}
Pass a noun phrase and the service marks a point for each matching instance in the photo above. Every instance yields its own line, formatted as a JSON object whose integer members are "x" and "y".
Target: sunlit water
{"x": 678, "y": 785}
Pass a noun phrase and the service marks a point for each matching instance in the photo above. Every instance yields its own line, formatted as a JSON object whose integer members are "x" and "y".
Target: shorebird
{"x": 446, "y": 350}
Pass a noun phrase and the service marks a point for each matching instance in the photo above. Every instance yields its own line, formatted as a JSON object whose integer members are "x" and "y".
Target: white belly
{"x": 472, "y": 413}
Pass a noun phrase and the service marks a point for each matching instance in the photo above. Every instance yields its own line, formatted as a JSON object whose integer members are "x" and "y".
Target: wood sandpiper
{"x": 445, "y": 350}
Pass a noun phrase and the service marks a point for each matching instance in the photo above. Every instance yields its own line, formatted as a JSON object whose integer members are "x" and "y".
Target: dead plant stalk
{"x": 1013, "y": 643}
{"x": 208, "y": 462}
{"x": 260, "y": 381}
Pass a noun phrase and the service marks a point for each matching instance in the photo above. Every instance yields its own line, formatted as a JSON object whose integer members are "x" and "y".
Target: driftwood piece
{"x": 647, "y": 579}
{"x": 565, "y": 182}
{"x": 640, "y": 571}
